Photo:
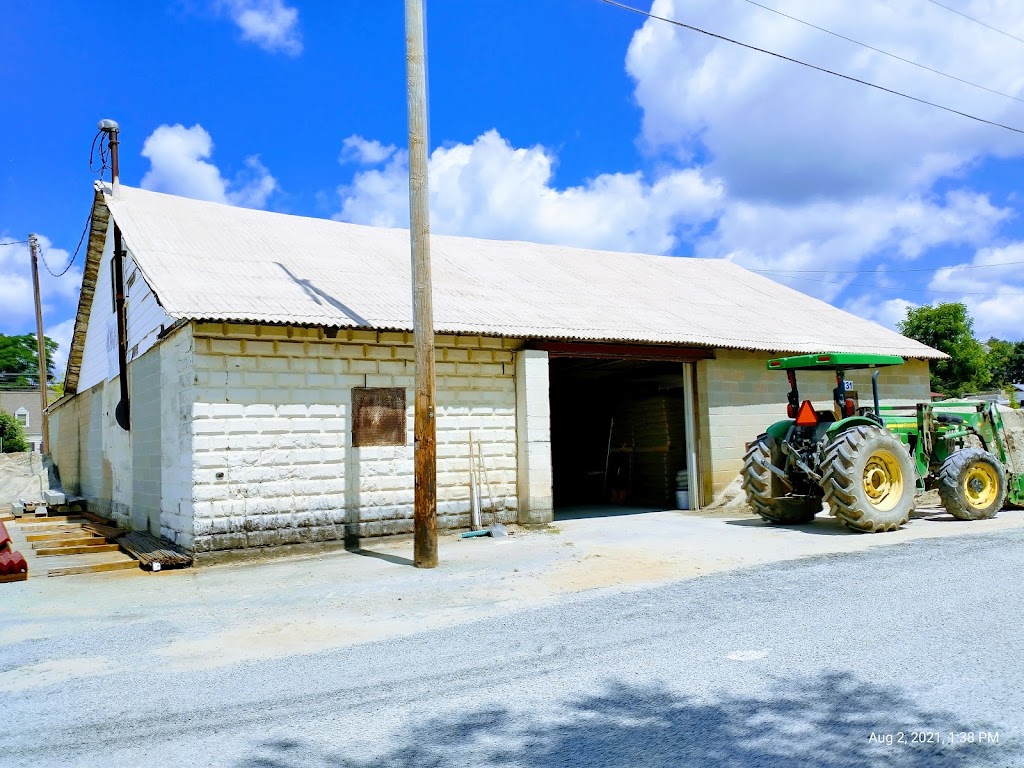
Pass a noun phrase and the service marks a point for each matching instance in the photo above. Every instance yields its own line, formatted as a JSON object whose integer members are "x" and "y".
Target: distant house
{"x": 268, "y": 368}
{"x": 23, "y": 404}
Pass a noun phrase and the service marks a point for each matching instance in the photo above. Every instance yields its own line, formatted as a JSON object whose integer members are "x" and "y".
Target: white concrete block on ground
{"x": 54, "y": 498}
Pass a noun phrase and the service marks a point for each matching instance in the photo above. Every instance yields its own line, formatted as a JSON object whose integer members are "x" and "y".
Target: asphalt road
{"x": 815, "y": 662}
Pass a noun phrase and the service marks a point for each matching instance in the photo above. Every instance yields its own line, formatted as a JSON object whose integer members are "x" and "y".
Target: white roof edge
{"x": 219, "y": 263}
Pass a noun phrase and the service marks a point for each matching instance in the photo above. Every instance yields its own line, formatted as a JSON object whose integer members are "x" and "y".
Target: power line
{"x": 977, "y": 21}
{"x": 812, "y": 66}
{"x": 889, "y": 271}
{"x": 104, "y": 155}
{"x": 74, "y": 256}
{"x": 886, "y": 53}
{"x": 886, "y": 288}
{"x": 14, "y": 242}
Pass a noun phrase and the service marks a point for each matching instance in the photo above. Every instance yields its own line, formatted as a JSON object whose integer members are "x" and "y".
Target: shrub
{"x": 11, "y": 434}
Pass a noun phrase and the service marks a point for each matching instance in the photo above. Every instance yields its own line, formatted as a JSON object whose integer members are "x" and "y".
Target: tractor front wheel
{"x": 972, "y": 484}
{"x": 869, "y": 480}
{"x": 765, "y": 490}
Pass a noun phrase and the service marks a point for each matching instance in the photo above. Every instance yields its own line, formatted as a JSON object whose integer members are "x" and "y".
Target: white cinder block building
{"x": 266, "y": 383}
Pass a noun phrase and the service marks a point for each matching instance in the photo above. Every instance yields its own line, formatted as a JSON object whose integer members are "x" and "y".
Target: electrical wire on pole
{"x": 425, "y": 428}
{"x": 887, "y": 271}
{"x": 807, "y": 64}
{"x": 44, "y": 399}
{"x": 74, "y": 256}
{"x": 901, "y": 289}
{"x": 978, "y": 21}
{"x": 895, "y": 56}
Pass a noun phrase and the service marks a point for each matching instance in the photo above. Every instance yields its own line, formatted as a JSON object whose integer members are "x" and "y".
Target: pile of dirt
{"x": 733, "y": 498}
{"x": 24, "y": 476}
{"x": 1013, "y": 421}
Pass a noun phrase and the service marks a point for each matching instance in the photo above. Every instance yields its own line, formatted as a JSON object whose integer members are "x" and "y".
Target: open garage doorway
{"x": 619, "y": 436}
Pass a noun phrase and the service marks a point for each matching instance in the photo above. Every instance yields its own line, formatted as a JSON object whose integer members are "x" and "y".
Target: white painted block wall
{"x": 145, "y": 319}
{"x": 533, "y": 420}
{"x": 273, "y": 454}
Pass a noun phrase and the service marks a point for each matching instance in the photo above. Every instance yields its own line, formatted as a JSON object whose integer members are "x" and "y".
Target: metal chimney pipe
{"x": 122, "y": 412}
{"x": 112, "y": 129}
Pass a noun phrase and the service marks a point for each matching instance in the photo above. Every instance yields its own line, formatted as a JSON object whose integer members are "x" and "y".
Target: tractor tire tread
{"x": 757, "y": 484}
{"x": 950, "y": 482}
{"x": 840, "y": 487}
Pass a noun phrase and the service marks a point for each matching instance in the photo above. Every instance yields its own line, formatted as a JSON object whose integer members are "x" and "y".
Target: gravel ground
{"x": 815, "y": 662}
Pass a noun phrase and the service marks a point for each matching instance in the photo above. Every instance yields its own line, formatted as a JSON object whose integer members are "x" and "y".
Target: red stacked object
{"x": 11, "y": 563}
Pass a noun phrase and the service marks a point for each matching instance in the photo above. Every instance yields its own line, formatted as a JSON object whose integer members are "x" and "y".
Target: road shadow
{"x": 589, "y": 511}
{"x": 822, "y": 526}
{"x": 396, "y": 559}
{"x": 826, "y": 722}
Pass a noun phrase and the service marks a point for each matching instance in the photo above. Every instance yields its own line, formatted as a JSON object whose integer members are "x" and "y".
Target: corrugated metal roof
{"x": 208, "y": 261}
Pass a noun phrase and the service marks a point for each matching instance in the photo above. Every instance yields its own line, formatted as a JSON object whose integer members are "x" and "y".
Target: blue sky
{"x": 570, "y": 122}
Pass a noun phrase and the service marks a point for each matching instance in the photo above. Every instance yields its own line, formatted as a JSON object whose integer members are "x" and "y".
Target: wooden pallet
{"x": 66, "y": 540}
{"x": 8, "y": 578}
{"x": 56, "y": 535}
{"x": 71, "y": 547}
{"x": 118, "y": 565}
{"x": 77, "y": 550}
{"x": 26, "y": 520}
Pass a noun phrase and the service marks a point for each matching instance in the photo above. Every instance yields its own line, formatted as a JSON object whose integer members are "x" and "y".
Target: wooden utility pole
{"x": 425, "y": 429}
{"x": 33, "y": 246}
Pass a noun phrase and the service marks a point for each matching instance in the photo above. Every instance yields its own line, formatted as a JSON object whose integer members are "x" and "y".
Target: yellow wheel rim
{"x": 980, "y": 485}
{"x": 883, "y": 480}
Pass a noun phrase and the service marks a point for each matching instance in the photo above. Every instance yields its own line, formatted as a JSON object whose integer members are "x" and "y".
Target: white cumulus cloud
{"x": 831, "y": 235}
{"x": 270, "y": 24}
{"x": 491, "y": 189}
{"x": 356, "y": 149}
{"x": 778, "y": 131}
{"x": 59, "y": 294}
{"x": 61, "y": 333}
{"x": 887, "y": 312}
{"x": 992, "y": 286}
{"x": 179, "y": 165}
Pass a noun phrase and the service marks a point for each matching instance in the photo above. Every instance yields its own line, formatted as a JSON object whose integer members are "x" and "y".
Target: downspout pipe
{"x": 123, "y": 411}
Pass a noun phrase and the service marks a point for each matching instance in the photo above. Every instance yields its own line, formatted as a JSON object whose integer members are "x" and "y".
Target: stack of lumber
{"x": 70, "y": 544}
{"x": 152, "y": 553}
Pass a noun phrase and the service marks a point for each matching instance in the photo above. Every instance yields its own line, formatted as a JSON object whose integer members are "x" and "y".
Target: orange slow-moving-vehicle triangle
{"x": 806, "y": 417}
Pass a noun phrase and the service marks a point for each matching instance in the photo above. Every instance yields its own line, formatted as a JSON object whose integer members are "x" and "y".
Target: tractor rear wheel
{"x": 766, "y": 492}
{"x": 972, "y": 484}
{"x": 869, "y": 480}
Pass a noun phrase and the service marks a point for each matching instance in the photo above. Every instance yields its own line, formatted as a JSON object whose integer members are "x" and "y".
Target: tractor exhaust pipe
{"x": 874, "y": 392}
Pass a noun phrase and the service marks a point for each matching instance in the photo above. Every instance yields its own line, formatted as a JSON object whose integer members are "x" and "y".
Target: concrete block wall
{"x": 65, "y": 441}
{"x": 738, "y": 398}
{"x": 175, "y": 461}
{"x": 92, "y": 453}
{"x": 271, "y": 424}
{"x": 142, "y": 479}
{"x": 146, "y": 391}
{"x": 533, "y": 421}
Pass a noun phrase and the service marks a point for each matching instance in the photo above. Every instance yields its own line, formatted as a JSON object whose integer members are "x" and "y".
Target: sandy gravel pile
{"x": 1013, "y": 421}
{"x": 23, "y": 476}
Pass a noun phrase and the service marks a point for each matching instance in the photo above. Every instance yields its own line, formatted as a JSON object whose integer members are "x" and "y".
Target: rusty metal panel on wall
{"x": 378, "y": 416}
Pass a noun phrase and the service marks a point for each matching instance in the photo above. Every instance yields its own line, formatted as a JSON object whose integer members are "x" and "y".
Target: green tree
{"x": 19, "y": 360}
{"x": 11, "y": 434}
{"x": 1006, "y": 361}
{"x": 949, "y": 328}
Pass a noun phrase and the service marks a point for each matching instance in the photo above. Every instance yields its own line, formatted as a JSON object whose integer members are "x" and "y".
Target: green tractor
{"x": 869, "y": 463}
